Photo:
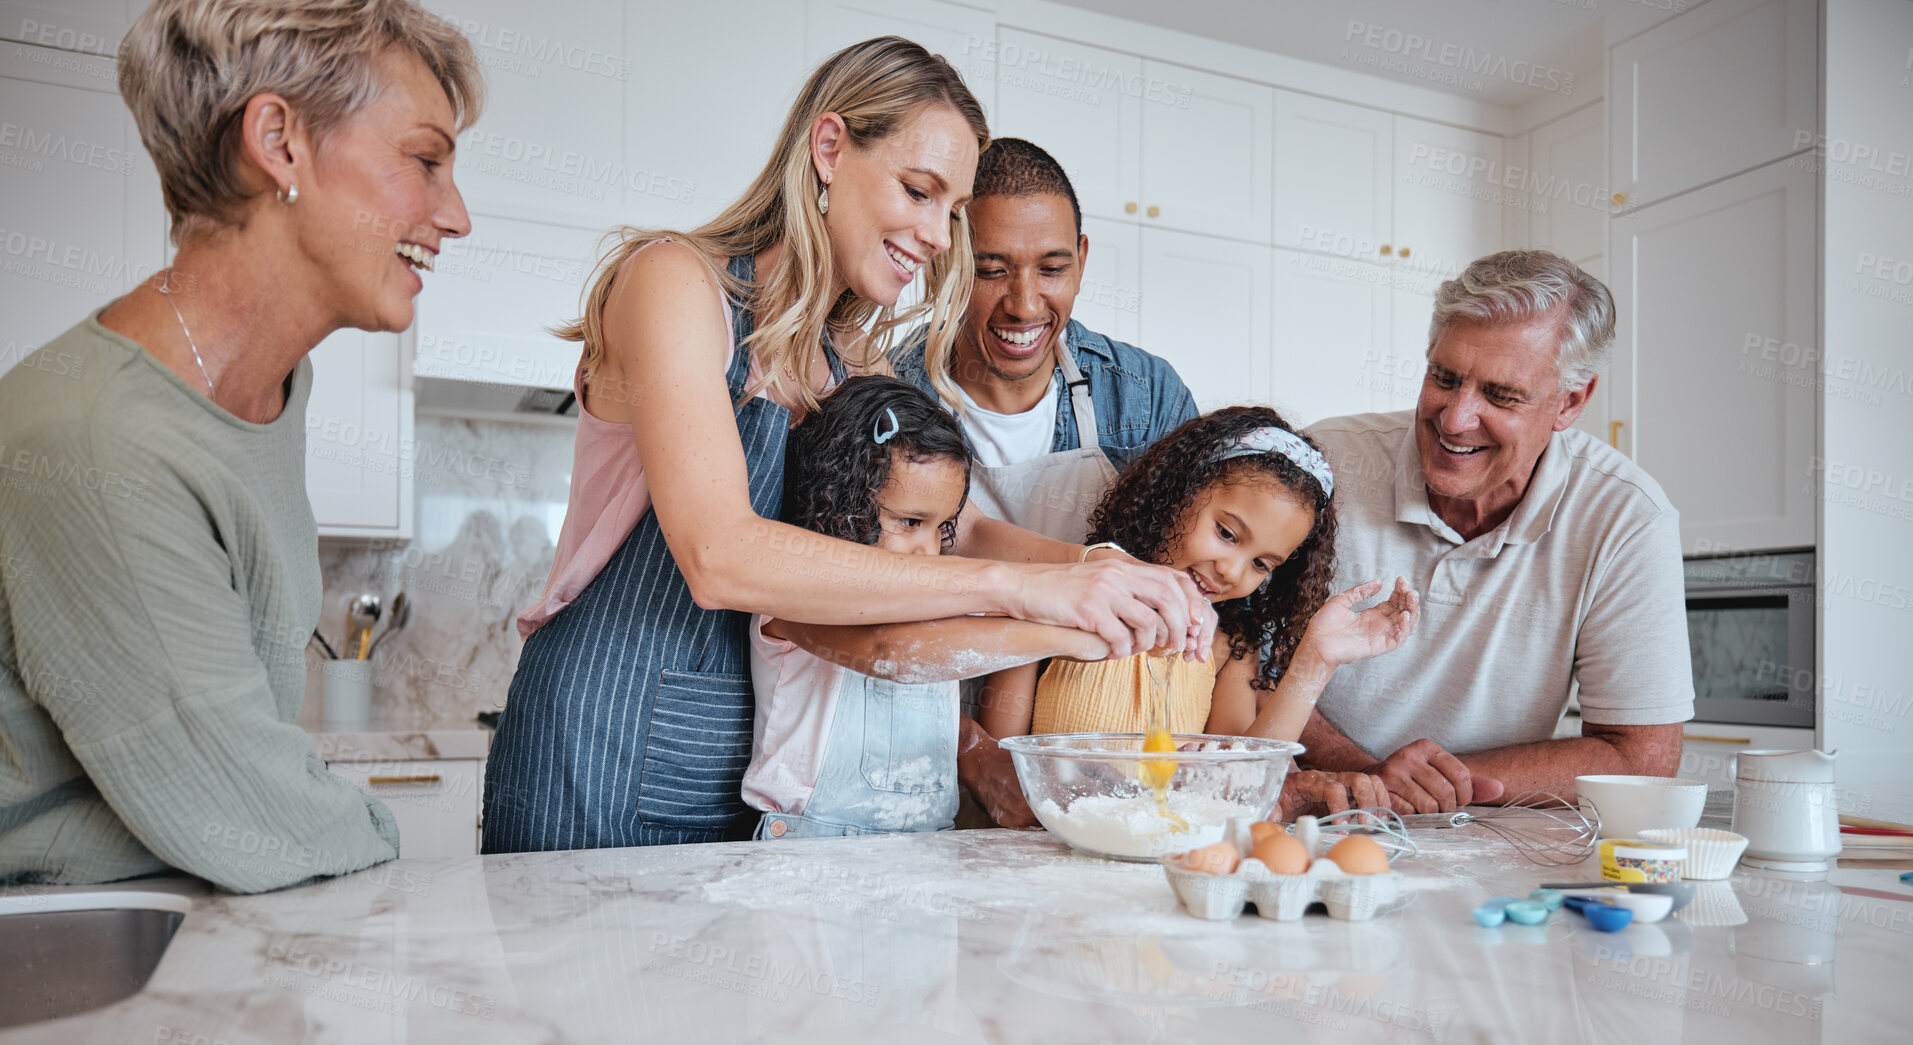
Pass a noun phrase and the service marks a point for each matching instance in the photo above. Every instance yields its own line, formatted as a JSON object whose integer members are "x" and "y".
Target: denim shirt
{"x": 1137, "y": 396}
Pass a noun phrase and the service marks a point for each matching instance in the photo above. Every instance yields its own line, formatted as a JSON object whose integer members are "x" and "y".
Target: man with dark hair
{"x": 1053, "y": 409}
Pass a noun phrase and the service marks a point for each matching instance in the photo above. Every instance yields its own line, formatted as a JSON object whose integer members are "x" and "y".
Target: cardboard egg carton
{"x": 1280, "y": 897}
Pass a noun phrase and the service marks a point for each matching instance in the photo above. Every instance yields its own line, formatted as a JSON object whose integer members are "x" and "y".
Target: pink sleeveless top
{"x": 608, "y": 497}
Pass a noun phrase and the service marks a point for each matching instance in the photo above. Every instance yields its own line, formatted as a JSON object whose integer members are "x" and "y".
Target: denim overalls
{"x": 889, "y": 763}
{"x": 629, "y": 720}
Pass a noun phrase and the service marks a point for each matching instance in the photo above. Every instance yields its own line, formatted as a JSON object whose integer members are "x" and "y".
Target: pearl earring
{"x": 290, "y": 194}
{"x": 823, "y": 201}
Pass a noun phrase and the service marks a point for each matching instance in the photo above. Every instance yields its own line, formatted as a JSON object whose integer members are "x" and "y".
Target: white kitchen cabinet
{"x": 435, "y": 802}
{"x": 81, "y": 220}
{"x": 740, "y": 107}
{"x": 359, "y": 445}
{"x": 1448, "y": 208}
{"x": 1206, "y": 161}
{"x": 1332, "y": 350}
{"x": 1205, "y": 308}
{"x": 550, "y": 144}
{"x": 1370, "y": 186}
{"x": 1567, "y": 201}
{"x": 1334, "y": 176}
{"x": 1411, "y": 304}
{"x": 1708, "y": 748}
{"x": 1351, "y": 337}
{"x": 1069, "y": 99}
{"x": 1716, "y": 294}
{"x": 486, "y": 310}
{"x": 960, "y": 34}
{"x": 1722, "y": 88}
{"x": 1143, "y": 141}
{"x": 1110, "y": 302}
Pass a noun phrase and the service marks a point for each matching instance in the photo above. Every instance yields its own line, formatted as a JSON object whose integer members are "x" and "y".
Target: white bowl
{"x": 1631, "y": 804}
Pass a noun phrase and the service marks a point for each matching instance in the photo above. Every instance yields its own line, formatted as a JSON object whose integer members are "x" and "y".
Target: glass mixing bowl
{"x": 1087, "y": 789}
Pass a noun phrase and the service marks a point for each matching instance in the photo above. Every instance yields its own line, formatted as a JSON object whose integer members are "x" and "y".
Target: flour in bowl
{"x": 1131, "y": 825}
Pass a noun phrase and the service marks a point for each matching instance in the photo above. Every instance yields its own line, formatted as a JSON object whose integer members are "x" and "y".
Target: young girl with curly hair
{"x": 1243, "y": 504}
{"x": 856, "y": 725}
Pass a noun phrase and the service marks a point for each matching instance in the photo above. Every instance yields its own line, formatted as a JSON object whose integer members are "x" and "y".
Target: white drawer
{"x": 435, "y": 802}
{"x": 1708, "y": 748}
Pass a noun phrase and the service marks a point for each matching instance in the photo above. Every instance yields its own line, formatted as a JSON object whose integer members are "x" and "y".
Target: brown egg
{"x": 1281, "y": 853}
{"x": 1220, "y": 858}
{"x": 1263, "y": 829}
{"x": 1359, "y": 854}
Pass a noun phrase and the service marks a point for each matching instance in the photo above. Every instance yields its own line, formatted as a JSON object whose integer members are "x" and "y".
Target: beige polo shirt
{"x": 1582, "y": 583}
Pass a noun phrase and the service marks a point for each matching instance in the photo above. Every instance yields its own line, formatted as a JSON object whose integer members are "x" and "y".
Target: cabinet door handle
{"x": 422, "y": 778}
{"x": 1387, "y": 250}
{"x": 1620, "y": 199}
{"x": 1130, "y": 207}
{"x": 1402, "y": 252}
{"x": 1614, "y": 434}
{"x": 1717, "y": 740}
{"x": 1155, "y": 211}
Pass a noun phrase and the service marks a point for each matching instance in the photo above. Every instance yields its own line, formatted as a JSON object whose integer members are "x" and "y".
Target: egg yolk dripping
{"x": 1158, "y": 772}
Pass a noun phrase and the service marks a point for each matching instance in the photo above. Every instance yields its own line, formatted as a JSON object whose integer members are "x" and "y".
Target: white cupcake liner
{"x": 1714, "y": 905}
{"x": 1711, "y": 853}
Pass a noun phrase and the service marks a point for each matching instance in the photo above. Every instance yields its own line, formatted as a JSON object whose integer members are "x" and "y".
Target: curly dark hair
{"x": 1148, "y": 509}
{"x": 834, "y": 466}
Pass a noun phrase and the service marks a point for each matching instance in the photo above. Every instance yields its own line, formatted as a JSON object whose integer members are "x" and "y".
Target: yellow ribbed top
{"x": 1112, "y": 696}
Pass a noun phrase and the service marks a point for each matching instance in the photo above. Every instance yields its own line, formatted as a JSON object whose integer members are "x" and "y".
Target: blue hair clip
{"x": 884, "y": 437}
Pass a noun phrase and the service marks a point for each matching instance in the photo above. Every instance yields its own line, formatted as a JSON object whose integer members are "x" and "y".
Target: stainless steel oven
{"x": 1750, "y": 630}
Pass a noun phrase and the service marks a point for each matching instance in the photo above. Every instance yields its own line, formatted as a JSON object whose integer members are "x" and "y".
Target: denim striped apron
{"x": 629, "y": 720}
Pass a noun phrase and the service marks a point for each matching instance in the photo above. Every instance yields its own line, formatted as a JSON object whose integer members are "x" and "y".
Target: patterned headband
{"x": 1289, "y": 445}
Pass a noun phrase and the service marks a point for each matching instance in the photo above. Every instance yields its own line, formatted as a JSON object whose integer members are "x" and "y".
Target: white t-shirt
{"x": 1581, "y": 583}
{"x": 1006, "y": 439}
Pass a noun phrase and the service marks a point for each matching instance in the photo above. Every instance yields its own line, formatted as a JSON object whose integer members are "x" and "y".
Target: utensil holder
{"x": 346, "y": 699}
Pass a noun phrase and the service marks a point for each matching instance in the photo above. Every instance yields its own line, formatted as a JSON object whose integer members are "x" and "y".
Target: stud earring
{"x": 823, "y": 201}
{"x": 290, "y": 194}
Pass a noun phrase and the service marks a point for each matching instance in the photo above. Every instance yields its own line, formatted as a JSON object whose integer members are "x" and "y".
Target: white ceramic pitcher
{"x": 1786, "y": 806}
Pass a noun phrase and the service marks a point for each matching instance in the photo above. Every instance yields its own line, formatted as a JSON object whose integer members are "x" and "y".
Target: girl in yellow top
{"x": 1243, "y": 504}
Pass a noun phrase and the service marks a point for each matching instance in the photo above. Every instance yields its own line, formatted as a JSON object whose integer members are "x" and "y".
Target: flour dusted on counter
{"x": 1131, "y": 825}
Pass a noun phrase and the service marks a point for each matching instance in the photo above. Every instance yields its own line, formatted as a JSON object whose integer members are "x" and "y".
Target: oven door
{"x": 1753, "y": 654}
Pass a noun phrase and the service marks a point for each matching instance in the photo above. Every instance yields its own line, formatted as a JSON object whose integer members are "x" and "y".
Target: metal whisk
{"x": 1565, "y": 835}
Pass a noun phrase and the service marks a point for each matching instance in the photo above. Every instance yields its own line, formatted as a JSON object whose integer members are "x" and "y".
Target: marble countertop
{"x": 996, "y": 936}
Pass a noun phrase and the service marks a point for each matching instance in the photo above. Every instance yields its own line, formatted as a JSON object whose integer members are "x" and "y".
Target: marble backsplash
{"x": 491, "y": 498}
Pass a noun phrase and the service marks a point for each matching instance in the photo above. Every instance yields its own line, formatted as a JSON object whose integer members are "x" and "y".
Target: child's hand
{"x": 1087, "y": 645}
{"x": 1341, "y": 634}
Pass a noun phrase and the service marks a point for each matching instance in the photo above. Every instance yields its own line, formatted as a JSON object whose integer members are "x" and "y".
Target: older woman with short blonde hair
{"x": 151, "y": 639}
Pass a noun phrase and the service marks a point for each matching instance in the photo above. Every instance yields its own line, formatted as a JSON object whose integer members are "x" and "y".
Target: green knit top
{"x": 159, "y": 578}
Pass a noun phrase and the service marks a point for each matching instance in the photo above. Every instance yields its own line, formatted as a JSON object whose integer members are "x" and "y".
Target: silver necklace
{"x": 165, "y": 288}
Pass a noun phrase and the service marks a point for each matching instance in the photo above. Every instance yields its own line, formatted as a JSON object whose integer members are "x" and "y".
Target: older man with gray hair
{"x": 1545, "y": 559}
